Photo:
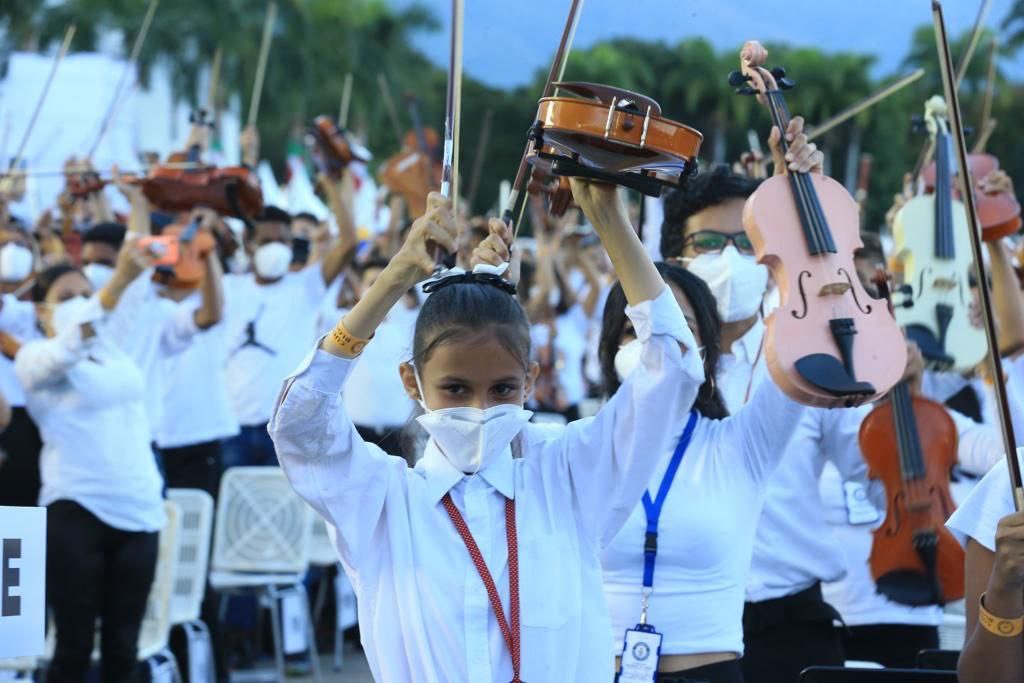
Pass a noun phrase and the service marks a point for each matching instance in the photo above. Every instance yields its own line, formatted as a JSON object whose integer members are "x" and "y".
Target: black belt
{"x": 806, "y": 607}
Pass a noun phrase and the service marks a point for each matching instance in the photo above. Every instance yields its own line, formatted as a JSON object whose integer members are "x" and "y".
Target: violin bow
{"x": 972, "y": 44}
{"x": 65, "y": 44}
{"x": 516, "y": 196}
{"x": 478, "y": 160}
{"x": 261, "y": 63}
{"x": 987, "y": 123}
{"x": 967, "y": 196}
{"x": 453, "y": 111}
{"x": 869, "y": 101}
{"x": 112, "y": 109}
{"x": 346, "y": 101}
{"x": 389, "y": 104}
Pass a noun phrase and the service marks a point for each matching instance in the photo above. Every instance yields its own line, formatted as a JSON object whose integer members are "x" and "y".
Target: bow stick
{"x": 972, "y": 44}
{"x": 870, "y": 101}
{"x": 453, "y": 107}
{"x": 389, "y": 104}
{"x": 967, "y": 196}
{"x": 261, "y": 63}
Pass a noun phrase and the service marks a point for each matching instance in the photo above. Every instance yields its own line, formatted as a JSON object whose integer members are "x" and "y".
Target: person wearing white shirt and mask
{"x": 100, "y": 245}
{"x": 476, "y": 565}
{"x": 101, "y": 485}
{"x": 687, "y": 545}
{"x": 271, "y": 318}
{"x": 787, "y": 624}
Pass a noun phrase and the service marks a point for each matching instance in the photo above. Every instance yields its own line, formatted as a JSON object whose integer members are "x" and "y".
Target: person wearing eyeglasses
{"x": 787, "y": 625}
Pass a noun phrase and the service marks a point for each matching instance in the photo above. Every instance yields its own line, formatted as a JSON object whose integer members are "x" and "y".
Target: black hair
{"x": 105, "y": 233}
{"x": 269, "y": 214}
{"x": 709, "y": 401}
{"x": 305, "y": 216}
{"x": 706, "y": 189}
{"x": 46, "y": 278}
{"x": 872, "y": 248}
{"x": 466, "y": 310}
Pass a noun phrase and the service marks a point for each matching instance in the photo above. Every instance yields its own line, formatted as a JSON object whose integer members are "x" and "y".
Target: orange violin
{"x": 333, "y": 147}
{"x": 180, "y": 252}
{"x": 829, "y": 343}
{"x": 416, "y": 170}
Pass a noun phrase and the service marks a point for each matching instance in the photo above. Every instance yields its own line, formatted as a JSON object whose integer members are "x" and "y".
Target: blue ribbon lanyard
{"x": 653, "y": 510}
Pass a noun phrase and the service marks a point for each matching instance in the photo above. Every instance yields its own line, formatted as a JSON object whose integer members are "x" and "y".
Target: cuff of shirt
{"x": 661, "y": 315}
{"x": 322, "y": 371}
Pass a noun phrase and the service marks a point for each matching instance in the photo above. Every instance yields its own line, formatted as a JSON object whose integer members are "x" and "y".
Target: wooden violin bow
{"x": 346, "y": 101}
{"x": 987, "y": 123}
{"x": 985, "y": 296}
{"x": 517, "y": 195}
{"x": 389, "y": 104}
{"x": 261, "y": 63}
{"x": 478, "y": 160}
{"x": 972, "y": 44}
{"x": 867, "y": 102}
{"x": 452, "y": 120}
{"x": 65, "y": 44}
{"x": 140, "y": 39}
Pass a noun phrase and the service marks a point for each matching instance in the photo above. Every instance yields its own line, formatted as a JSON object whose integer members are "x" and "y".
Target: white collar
{"x": 441, "y": 476}
{"x": 750, "y": 343}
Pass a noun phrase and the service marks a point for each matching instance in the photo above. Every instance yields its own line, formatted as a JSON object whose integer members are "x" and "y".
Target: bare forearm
{"x": 988, "y": 658}
{"x": 640, "y": 279}
{"x": 1006, "y": 297}
{"x": 211, "y": 310}
{"x": 371, "y": 309}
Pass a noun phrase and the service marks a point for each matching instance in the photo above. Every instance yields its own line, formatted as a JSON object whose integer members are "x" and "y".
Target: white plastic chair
{"x": 952, "y": 631}
{"x": 324, "y": 554}
{"x": 261, "y": 545}
{"x": 190, "y": 580}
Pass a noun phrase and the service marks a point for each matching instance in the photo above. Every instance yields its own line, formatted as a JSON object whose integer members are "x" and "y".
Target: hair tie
{"x": 481, "y": 274}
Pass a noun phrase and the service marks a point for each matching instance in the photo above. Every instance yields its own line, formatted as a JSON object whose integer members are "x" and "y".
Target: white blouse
{"x": 87, "y": 398}
{"x": 990, "y": 501}
{"x": 706, "y": 530}
{"x": 423, "y": 611}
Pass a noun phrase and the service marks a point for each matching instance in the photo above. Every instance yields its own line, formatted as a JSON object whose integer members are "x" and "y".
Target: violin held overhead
{"x": 930, "y": 236}
{"x": 333, "y": 147}
{"x": 828, "y": 343}
{"x": 613, "y": 135}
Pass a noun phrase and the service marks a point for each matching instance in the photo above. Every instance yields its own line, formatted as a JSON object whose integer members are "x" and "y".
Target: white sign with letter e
{"x": 22, "y": 581}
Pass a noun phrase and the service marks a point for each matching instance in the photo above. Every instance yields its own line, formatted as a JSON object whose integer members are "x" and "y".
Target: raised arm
{"x": 340, "y": 197}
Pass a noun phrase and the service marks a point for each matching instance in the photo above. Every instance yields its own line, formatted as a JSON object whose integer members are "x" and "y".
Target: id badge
{"x": 640, "y": 655}
{"x": 859, "y": 510}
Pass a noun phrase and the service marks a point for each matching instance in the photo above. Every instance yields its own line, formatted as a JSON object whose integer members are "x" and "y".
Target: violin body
{"x": 914, "y": 558}
{"x": 999, "y": 213}
{"x": 333, "y": 148}
{"x": 615, "y": 136}
{"x": 816, "y": 290}
{"x": 937, "y": 314}
{"x": 413, "y": 175}
{"x": 181, "y": 251}
{"x": 174, "y": 190}
{"x": 557, "y": 190}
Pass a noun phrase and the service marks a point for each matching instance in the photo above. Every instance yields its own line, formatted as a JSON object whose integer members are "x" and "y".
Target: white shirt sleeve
{"x": 979, "y": 514}
{"x": 44, "y": 362}
{"x": 345, "y": 479}
{"x": 16, "y": 317}
{"x": 941, "y": 386}
{"x": 311, "y": 281}
{"x": 610, "y": 457}
{"x": 763, "y": 427}
{"x": 979, "y": 446}
{"x": 179, "y": 329}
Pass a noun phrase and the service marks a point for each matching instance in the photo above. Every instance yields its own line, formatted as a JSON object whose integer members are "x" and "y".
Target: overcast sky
{"x": 506, "y": 41}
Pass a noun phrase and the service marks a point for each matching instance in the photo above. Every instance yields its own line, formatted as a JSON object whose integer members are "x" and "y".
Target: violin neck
{"x": 943, "y": 198}
{"x": 908, "y": 440}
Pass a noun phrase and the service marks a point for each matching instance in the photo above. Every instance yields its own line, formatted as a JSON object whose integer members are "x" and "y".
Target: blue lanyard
{"x": 653, "y": 509}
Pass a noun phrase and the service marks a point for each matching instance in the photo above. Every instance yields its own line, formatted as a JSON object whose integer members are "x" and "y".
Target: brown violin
{"x": 613, "y": 135}
{"x": 333, "y": 147}
{"x": 180, "y": 252}
{"x": 829, "y": 343}
{"x": 556, "y": 189}
{"x": 416, "y": 170}
{"x": 910, "y": 444}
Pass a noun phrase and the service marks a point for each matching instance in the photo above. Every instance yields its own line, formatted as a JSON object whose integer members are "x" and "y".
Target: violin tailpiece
{"x": 831, "y": 374}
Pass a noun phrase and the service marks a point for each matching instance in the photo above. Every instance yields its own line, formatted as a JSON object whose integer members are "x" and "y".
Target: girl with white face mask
{"x": 702, "y": 504}
{"x": 478, "y": 565}
{"x": 100, "y": 481}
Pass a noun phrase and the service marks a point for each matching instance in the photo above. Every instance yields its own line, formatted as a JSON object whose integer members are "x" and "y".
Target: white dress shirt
{"x": 794, "y": 547}
{"x": 282, "y": 317}
{"x": 990, "y": 501}
{"x": 424, "y": 614}
{"x": 87, "y": 398}
{"x": 196, "y": 404}
{"x": 18, "y": 319}
{"x": 150, "y": 328}
{"x": 706, "y": 529}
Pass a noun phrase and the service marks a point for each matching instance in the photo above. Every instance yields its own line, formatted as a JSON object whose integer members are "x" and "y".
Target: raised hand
{"x": 802, "y": 156}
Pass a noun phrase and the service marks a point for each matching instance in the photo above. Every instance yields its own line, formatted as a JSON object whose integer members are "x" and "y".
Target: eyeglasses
{"x": 713, "y": 242}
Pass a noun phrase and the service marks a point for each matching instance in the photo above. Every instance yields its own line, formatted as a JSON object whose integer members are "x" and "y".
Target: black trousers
{"x": 720, "y": 672}
{"x": 199, "y": 466}
{"x": 19, "y": 474}
{"x": 784, "y": 636}
{"x": 894, "y": 646}
{"x": 94, "y": 571}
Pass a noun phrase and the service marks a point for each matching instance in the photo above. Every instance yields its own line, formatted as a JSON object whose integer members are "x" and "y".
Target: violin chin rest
{"x": 930, "y": 346}
{"x": 829, "y": 374}
{"x": 908, "y": 588}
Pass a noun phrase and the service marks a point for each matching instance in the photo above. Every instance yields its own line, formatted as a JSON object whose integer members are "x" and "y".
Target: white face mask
{"x": 15, "y": 262}
{"x": 737, "y": 281}
{"x": 98, "y": 275}
{"x": 69, "y": 313}
{"x": 471, "y": 438}
{"x": 272, "y": 260}
{"x": 627, "y": 358}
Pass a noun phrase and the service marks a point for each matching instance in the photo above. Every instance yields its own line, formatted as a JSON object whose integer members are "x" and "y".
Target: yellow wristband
{"x": 348, "y": 343}
{"x": 1004, "y": 628}
{"x": 105, "y": 300}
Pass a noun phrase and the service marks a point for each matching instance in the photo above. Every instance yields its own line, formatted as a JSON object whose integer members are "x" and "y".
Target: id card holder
{"x": 859, "y": 510}
{"x": 640, "y": 655}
